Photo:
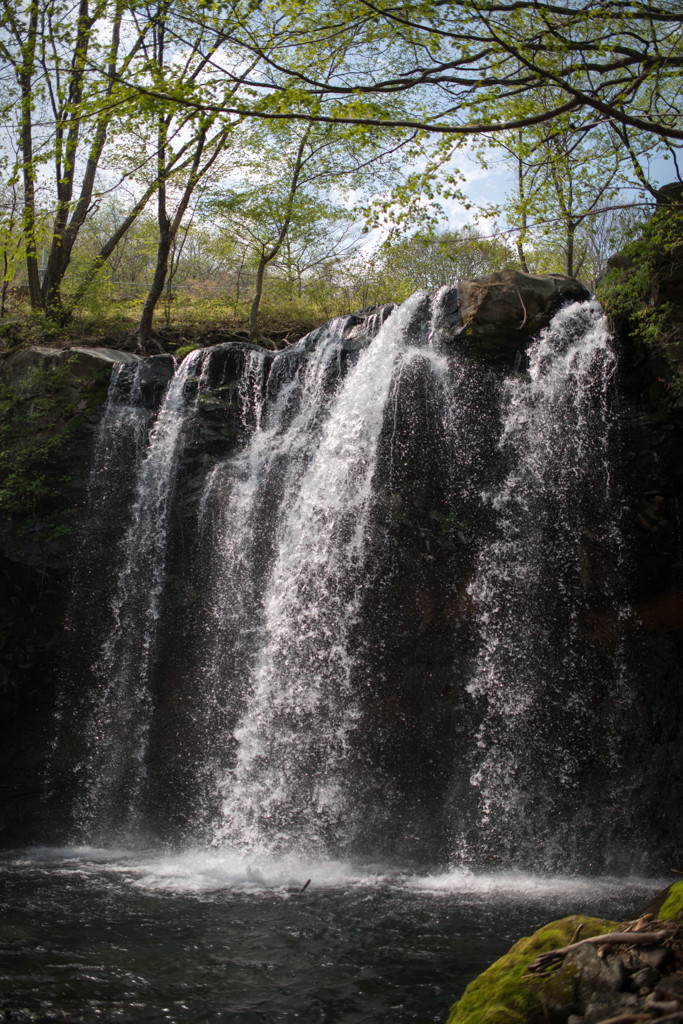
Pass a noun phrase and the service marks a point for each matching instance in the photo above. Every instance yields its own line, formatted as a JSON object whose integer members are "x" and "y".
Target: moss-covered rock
{"x": 673, "y": 906}
{"x": 505, "y": 993}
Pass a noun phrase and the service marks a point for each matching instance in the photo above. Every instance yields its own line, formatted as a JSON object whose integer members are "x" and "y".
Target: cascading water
{"x": 244, "y": 498}
{"x": 373, "y": 586}
{"x": 294, "y": 755}
{"x": 121, "y": 704}
{"x": 549, "y": 706}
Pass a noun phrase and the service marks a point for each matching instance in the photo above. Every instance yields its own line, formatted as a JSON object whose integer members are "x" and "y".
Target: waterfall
{"x": 244, "y": 499}
{"x": 354, "y": 606}
{"x": 547, "y": 702}
{"x": 295, "y": 740}
{"x": 121, "y": 705}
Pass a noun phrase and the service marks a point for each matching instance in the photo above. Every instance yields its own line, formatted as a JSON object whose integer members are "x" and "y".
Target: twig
{"x": 526, "y": 315}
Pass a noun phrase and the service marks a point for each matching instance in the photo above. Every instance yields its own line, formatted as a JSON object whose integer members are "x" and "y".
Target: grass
{"x": 191, "y": 321}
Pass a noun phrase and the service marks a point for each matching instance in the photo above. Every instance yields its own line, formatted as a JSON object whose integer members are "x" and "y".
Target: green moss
{"x": 505, "y": 993}
{"x": 184, "y": 350}
{"x": 673, "y": 907}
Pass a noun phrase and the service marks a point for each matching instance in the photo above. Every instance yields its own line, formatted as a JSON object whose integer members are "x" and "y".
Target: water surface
{"x": 104, "y": 935}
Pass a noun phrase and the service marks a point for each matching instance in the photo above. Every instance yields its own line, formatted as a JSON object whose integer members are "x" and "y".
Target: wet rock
{"x": 584, "y": 985}
{"x": 655, "y": 956}
{"x": 596, "y": 973}
{"x": 670, "y": 989}
{"x": 499, "y": 314}
{"x": 646, "y": 977}
{"x": 155, "y": 374}
{"x": 355, "y": 330}
{"x": 602, "y": 1006}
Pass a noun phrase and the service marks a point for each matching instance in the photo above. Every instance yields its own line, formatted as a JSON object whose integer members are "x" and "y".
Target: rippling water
{"x": 103, "y": 935}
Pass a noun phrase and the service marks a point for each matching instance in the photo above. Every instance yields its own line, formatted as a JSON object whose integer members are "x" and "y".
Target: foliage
{"x": 429, "y": 262}
{"x": 290, "y": 207}
{"x": 564, "y": 176}
{"x": 596, "y": 239}
{"x": 63, "y": 95}
{"x": 111, "y": 104}
{"x": 505, "y": 994}
{"x": 635, "y": 287}
{"x": 11, "y": 238}
{"x": 481, "y": 67}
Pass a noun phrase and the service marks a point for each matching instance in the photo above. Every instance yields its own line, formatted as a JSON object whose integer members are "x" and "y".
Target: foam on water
{"x": 197, "y": 871}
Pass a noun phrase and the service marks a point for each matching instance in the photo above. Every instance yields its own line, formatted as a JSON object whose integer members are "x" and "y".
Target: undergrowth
{"x": 644, "y": 288}
{"x": 281, "y": 322}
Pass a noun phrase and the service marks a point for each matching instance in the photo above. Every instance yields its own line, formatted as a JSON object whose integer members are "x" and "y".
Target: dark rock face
{"x": 652, "y": 445}
{"x": 55, "y": 396}
{"x": 423, "y": 560}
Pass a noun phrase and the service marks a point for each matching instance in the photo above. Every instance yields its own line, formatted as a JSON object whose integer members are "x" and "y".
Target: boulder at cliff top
{"x": 83, "y": 362}
{"x": 500, "y": 313}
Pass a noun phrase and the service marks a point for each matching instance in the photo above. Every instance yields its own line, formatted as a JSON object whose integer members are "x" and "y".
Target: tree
{"x": 461, "y": 73}
{"x": 132, "y": 260}
{"x": 564, "y": 176}
{"x": 481, "y": 66}
{"x": 289, "y": 175}
{"x": 52, "y": 49}
{"x": 209, "y": 134}
{"x": 429, "y": 262}
{"x": 324, "y": 235}
{"x": 11, "y": 237}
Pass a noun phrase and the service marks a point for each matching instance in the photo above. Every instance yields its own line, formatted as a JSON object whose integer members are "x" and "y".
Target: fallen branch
{"x": 627, "y": 1018}
{"x": 555, "y": 956}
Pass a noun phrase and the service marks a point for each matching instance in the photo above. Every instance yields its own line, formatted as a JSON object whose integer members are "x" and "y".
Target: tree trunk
{"x": 3, "y": 293}
{"x": 109, "y": 246}
{"x": 168, "y": 229}
{"x": 265, "y": 258}
{"x": 144, "y": 331}
{"x": 522, "y": 200}
{"x": 29, "y": 217}
{"x": 69, "y": 222}
{"x": 571, "y": 231}
{"x": 258, "y": 292}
